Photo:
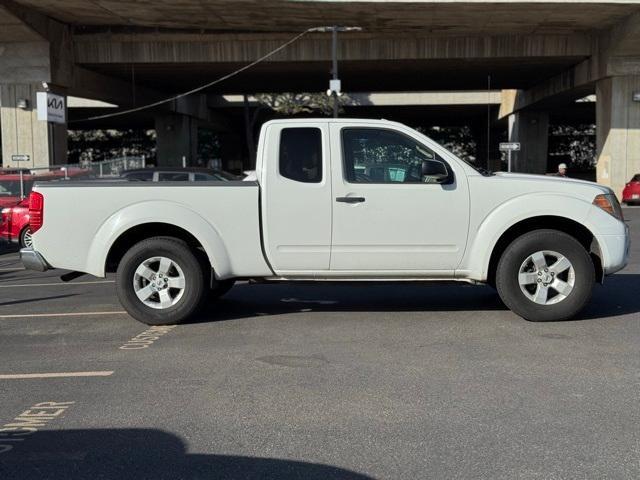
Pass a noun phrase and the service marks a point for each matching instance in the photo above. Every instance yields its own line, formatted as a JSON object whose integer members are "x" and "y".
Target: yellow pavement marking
{"x": 66, "y": 314}
{"x": 29, "y": 422}
{"x": 57, "y": 284}
{"x": 55, "y": 375}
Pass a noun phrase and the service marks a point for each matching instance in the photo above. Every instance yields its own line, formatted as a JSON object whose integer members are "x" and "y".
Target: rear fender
{"x": 157, "y": 212}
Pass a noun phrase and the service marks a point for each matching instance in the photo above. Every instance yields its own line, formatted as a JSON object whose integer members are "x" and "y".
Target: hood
{"x": 553, "y": 180}
{"x": 517, "y": 184}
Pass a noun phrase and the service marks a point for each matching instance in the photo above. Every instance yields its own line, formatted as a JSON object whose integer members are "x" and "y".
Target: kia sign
{"x": 51, "y": 107}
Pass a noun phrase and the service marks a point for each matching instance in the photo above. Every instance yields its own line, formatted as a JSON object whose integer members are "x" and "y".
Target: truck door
{"x": 387, "y": 217}
{"x": 296, "y": 197}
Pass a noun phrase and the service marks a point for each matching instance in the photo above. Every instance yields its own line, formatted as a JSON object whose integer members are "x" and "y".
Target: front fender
{"x": 475, "y": 264}
{"x": 157, "y": 212}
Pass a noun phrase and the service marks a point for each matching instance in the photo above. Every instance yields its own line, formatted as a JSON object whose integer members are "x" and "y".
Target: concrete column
{"x": 531, "y": 129}
{"x": 479, "y": 131}
{"x": 176, "y": 137}
{"x": 233, "y": 151}
{"x": 617, "y": 130}
{"x": 24, "y": 134}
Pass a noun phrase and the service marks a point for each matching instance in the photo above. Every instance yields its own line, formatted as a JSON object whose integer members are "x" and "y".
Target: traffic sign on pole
{"x": 509, "y": 147}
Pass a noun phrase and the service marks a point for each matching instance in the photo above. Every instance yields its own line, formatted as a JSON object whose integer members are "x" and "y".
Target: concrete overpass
{"x": 545, "y": 54}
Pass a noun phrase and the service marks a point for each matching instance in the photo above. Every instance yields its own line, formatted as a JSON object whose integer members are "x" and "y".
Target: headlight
{"x": 609, "y": 203}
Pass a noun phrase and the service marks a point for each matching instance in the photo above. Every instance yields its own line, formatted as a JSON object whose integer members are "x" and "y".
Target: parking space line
{"x": 57, "y": 284}
{"x": 16, "y": 376}
{"x": 16, "y": 269}
{"x": 65, "y": 314}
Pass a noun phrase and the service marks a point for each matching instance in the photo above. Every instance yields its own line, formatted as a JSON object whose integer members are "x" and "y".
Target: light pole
{"x": 334, "y": 70}
{"x": 334, "y": 83}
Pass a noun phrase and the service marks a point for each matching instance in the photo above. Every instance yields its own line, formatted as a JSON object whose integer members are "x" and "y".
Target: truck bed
{"x": 82, "y": 220}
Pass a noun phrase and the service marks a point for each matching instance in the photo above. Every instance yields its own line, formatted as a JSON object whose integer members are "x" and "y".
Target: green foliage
{"x": 290, "y": 104}
{"x": 574, "y": 145}
{"x": 96, "y": 145}
{"x": 458, "y": 140}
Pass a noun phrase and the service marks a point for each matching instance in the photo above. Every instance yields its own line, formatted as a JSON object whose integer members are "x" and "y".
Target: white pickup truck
{"x": 336, "y": 200}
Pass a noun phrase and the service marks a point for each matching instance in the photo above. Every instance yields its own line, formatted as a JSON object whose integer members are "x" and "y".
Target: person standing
{"x": 562, "y": 170}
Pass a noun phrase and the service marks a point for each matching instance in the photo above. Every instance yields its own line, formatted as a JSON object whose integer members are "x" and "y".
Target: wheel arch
{"x": 143, "y": 231}
{"x": 550, "y": 222}
{"x": 137, "y": 222}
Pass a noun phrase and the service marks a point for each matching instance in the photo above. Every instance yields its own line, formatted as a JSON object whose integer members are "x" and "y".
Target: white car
{"x": 336, "y": 200}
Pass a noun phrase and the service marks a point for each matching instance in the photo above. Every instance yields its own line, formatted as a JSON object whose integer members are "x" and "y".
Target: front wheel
{"x": 545, "y": 275}
{"x": 160, "y": 281}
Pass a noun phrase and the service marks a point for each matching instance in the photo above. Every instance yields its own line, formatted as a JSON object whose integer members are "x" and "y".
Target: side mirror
{"x": 434, "y": 171}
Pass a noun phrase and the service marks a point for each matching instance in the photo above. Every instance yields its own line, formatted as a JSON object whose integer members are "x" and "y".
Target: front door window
{"x": 373, "y": 155}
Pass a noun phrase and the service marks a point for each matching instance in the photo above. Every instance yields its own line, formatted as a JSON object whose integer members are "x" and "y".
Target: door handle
{"x": 350, "y": 199}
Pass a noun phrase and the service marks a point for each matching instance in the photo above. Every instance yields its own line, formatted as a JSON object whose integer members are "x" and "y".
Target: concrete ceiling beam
{"x": 427, "y": 17}
{"x": 48, "y": 57}
{"x": 615, "y": 52}
{"x": 149, "y": 48}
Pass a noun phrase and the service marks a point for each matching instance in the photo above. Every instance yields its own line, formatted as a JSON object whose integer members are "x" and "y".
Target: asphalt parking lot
{"x": 347, "y": 381}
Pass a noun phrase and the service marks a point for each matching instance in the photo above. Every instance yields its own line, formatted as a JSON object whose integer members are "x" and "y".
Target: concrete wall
{"x": 24, "y": 134}
{"x": 531, "y": 130}
{"x": 176, "y": 137}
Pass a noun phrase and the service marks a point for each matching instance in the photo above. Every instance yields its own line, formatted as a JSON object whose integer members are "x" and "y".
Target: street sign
{"x": 51, "y": 107}
{"x": 510, "y": 147}
{"x": 20, "y": 158}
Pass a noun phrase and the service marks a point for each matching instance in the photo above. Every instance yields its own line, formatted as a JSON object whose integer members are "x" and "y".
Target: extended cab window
{"x": 375, "y": 155}
{"x": 301, "y": 154}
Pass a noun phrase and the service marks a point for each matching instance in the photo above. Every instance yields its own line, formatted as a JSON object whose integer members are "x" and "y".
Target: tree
{"x": 104, "y": 144}
{"x": 291, "y": 104}
{"x": 458, "y": 140}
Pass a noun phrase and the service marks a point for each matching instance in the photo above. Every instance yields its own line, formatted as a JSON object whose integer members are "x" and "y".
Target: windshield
{"x": 481, "y": 170}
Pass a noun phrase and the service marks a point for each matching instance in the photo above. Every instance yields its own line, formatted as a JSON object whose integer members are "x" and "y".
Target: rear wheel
{"x": 545, "y": 275}
{"x": 25, "y": 237}
{"x": 160, "y": 281}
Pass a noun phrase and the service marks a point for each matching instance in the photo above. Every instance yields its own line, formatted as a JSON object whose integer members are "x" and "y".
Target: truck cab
{"x": 374, "y": 199}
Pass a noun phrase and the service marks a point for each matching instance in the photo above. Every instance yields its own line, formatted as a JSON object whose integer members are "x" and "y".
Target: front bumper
{"x": 32, "y": 260}
{"x": 615, "y": 250}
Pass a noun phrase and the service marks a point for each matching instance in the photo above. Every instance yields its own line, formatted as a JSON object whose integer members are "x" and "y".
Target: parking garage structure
{"x": 540, "y": 56}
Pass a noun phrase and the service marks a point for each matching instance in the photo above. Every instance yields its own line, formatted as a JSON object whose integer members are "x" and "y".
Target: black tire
{"x": 220, "y": 288}
{"x": 194, "y": 281}
{"x": 24, "y": 234}
{"x": 519, "y": 250}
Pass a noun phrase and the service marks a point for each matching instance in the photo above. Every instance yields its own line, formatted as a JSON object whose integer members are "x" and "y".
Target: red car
{"x": 14, "y": 224}
{"x": 631, "y": 192}
{"x": 10, "y": 182}
{"x": 10, "y": 188}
